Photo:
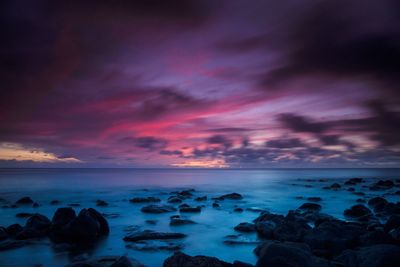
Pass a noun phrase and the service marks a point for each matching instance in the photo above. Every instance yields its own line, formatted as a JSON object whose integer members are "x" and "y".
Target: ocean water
{"x": 274, "y": 190}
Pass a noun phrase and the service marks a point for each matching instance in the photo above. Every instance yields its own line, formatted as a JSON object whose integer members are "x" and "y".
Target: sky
{"x": 185, "y": 83}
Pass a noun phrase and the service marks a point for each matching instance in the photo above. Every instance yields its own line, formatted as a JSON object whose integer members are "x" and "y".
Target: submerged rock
{"x": 233, "y": 196}
{"x": 14, "y": 229}
{"x": 190, "y": 209}
{"x": 310, "y": 207}
{"x": 24, "y": 201}
{"x": 382, "y": 185}
{"x": 203, "y": 198}
{"x": 36, "y": 226}
{"x": 158, "y": 209}
{"x": 353, "y": 181}
{"x": 152, "y": 235}
{"x": 144, "y": 199}
{"x": 175, "y": 221}
{"x": 245, "y": 227}
{"x": 101, "y": 203}
{"x": 174, "y": 199}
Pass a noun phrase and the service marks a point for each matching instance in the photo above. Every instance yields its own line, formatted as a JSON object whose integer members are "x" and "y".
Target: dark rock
{"x": 359, "y": 193}
{"x": 3, "y": 234}
{"x": 152, "y": 222}
{"x": 180, "y": 259}
{"x": 174, "y": 199}
{"x": 122, "y": 262}
{"x": 11, "y": 244}
{"x": 63, "y": 216}
{"x": 190, "y": 209}
{"x": 155, "y": 245}
{"x": 157, "y": 209}
{"x": 233, "y": 196}
{"x": 175, "y": 221}
{"x": 395, "y": 234}
{"x": 377, "y": 203}
{"x": 351, "y": 189}
{"x": 74, "y": 205}
{"x": 245, "y": 227}
{"x": 144, "y": 199}
{"x": 353, "y": 181}
{"x": 310, "y": 207}
{"x": 335, "y": 186}
{"x": 314, "y": 199}
{"x": 24, "y": 200}
{"x": 266, "y": 216}
{"x": 287, "y": 254}
{"x": 185, "y": 193}
{"x": 392, "y": 223}
{"x": 357, "y": 212}
{"x": 35, "y": 205}
{"x": 373, "y": 256}
{"x": 55, "y": 202}
{"x": 255, "y": 209}
{"x": 203, "y": 198}
{"x": 23, "y": 215}
{"x": 151, "y": 235}
{"x": 375, "y": 237}
{"x": 14, "y": 229}
{"x": 106, "y": 261}
{"x": 38, "y": 222}
{"x": 291, "y": 231}
{"x": 265, "y": 229}
{"x": 101, "y": 203}
{"x": 238, "y": 210}
{"x": 215, "y": 205}
{"x": 104, "y": 228}
{"x": 360, "y": 200}
{"x": 382, "y": 185}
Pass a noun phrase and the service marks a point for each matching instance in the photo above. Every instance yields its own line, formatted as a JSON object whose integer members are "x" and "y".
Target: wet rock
{"x": 185, "y": 193}
{"x": 180, "y": 259}
{"x": 177, "y": 220}
{"x": 382, "y": 185}
{"x": 335, "y": 186}
{"x": 3, "y": 234}
{"x": 238, "y": 210}
{"x": 360, "y": 200}
{"x": 310, "y": 207}
{"x": 35, "y": 205}
{"x": 245, "y": 227}
{"x": 38, "y": 222}
{"x": 215, "y": 205}
{"x": 351, "y": 189}
{"x": 151, "y": 222}
{"x": 12, "y": 244}
{"x": 101, "y": 203}
{"x": 314, "y": 199}
{"x": 395, "y": 234}
{"x": 240, "y": 240}
{"x": 23, "y": 215}
{"x": 288, "y": 254}
{"x": 392, "y": 223}
{"x": 375, "y": 237}
{"x": 157, "y": 209}
{"x": 104, "y": 228}
{"x": 190, "y": 209}
{"x": 357, "y": 212}
{"x": 152, "y": 235}
{"x": 353, "y": 181}
{"x": 266, "y": 216}
{"x": 155, "y": 245}
{"x": 203, "y": 198}
{"x": 372, "y": 256}
{"x": 265, "y": 229}
{"x": 24, "y": 201}
{"x": 291, "y": 231}
{"x": 174, "y": 199}
{"x": 144, "y": 199}
{"x": 377, "y": 203}
{"x": 233, "y": 196}
{"x": 359, "y": 193}
{"x": 55, "y": 202}
{"x": 14, "y": 229}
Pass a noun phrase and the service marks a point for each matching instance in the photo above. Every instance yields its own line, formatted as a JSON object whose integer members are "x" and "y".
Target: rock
{"x": 155, "y": 245}
{"x": 238, "y": 210}
{"x": 12, "y": 244}
{"x": 255, "y": 209}
{"x": 353, "y": 181}
{"x": 151, "y": 235}
{"x": 360, "y": 200}
{"x": 392, "y": 223}
{"x": 122, "y": 262}
{"x": 395, "y": 234}
{"x": 144, "y": 199}
{"x": 157, "y": 209}
{"x": 63, "y": 216}
{"x": 215, "y": 205}
{"x": 357, "y": 212}
{"x": 101, "y": 203}
{"x": 179, "y": 221}
{"x": 265, "y": 229}
{"x": 190, "y": 209}
{"x": 180, "y": 259}
{"x": 14, "y": 229}
{"x": 74, "y": 204}
{"x": 290, "y": 231}
{"x": 310, "y": 207}
{"x": 35, "y": 205}
{"x": 106, "y": 261}
{"x": 233, "y": 196}
{"x": 104, "y": 228}
{"x": 335, "y": 186}
{"x": 23, "y": 215}
{"x": 240, "y": 240}
{"x": 185, "y": 193}
{"x": 373, "y": 256}
{"x": 382, "y": 185}
{"x": 203, "y": 198}
{"x": 24, "y": 201}
{"x": 351, "y": 189}
{"x": 377, "y": 203}
{"x": 38, "y": 222}
{"x": 174, "y": 199}
{"x": 314, "y": 199}
{"x": 245, "y": 227}
{"x": 151, "y": 222}
{"x": 334, "y": 236}
{"x": 3, "y": 234}
{"x": 55, "y": 202}
{"x": 287, "y": 254}
{"x": 375, "y": 237}
{"x": 266, "y": 216}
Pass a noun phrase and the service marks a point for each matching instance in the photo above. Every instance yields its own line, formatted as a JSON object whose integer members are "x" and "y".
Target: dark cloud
{"x": 171, "y": 152}
{"x": 219, "y": 140}
{"x": 285, "y": 143}
{"x": 329, "y": 140}
{"x": 229, "y": 130}
{"x": 149, "y": 143}
{"x": 302, "y": 124}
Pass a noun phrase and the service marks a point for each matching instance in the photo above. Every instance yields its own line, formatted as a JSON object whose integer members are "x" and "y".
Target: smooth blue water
{"x": 274, "y": 190}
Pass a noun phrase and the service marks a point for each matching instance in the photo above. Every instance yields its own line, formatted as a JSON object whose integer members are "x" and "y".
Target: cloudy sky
{"x": 178, "y": 83}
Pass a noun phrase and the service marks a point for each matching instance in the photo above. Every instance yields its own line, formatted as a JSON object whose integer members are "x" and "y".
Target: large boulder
{"x": 290, "y": 231}
{"x": 24, "y": 201}
{"x": 378, "y": 204}
{"x": 392, "y": 223}
{"x": 372, "y": 256}
{"x": 233, "y": 196}
{"x": 287, "y": 254}
{"x": 36, "y": 226}
{"x": 310, "y": 207}
{"x": 358, "y": 212}
{"x": 245, "y": 227}
{"x": 382, "y": 185}
{"x": 3, "y": 234}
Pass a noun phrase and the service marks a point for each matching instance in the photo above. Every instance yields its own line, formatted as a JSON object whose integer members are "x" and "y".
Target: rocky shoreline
{"x": 304, "y": 237}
